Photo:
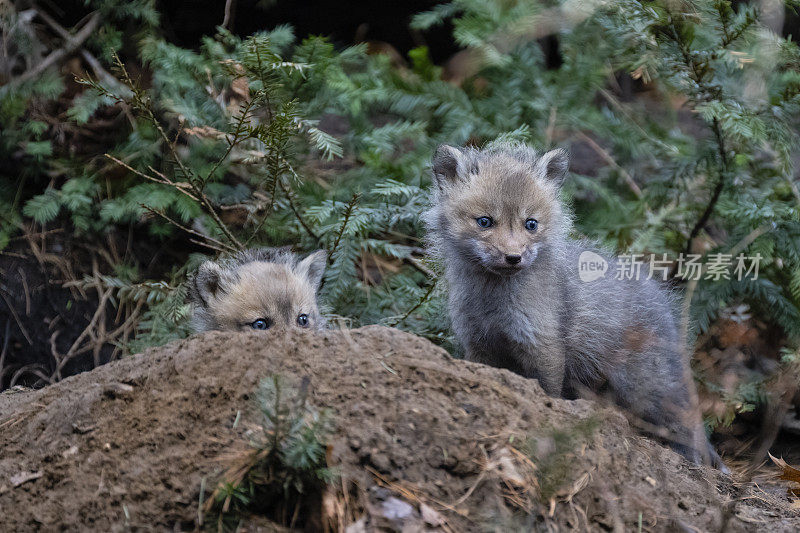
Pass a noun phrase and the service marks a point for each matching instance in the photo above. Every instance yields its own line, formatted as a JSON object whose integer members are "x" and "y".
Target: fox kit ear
{"x": 207, "y": 282}
{"x": 313, "y": 267}
{"x": 448, "y": 162}
{"x": 553, "y": 165}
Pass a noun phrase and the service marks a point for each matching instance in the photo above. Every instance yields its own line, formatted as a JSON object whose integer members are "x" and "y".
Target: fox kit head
{"x": 497, "y": 208}
{"x": 258, "y": 289}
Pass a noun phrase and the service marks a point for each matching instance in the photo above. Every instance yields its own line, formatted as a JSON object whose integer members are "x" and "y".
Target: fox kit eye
{"x": 484, "y": 222}
{"x": 261, "y": 323}
{"x": 302, "y": 320}
{"x": 531, "y": 224}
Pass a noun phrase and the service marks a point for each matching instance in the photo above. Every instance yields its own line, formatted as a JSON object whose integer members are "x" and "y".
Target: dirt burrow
{"x": 422, "y": 442}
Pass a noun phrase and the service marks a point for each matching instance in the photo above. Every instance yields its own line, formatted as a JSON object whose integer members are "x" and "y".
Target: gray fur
{"x": 215, "y": 280}
{"x": 542, "y": 321}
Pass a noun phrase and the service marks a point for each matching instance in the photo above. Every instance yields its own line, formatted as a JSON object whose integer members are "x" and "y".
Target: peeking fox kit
{"x": 517, "y": 301}
{"x": 258, "y": 289}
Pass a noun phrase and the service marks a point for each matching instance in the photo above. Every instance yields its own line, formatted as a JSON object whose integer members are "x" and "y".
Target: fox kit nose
{"x": 513, "y": 259}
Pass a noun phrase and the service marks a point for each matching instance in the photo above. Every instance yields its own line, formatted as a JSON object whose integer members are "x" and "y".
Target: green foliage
{"x": 701, "y": 162}
{"x": 286, "y": 469}
{"x": 738, "y": 77}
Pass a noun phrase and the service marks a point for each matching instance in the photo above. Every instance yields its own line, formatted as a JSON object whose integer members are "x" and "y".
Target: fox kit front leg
{"x": 492, "y": 354}
{"x": 545, "y": 362}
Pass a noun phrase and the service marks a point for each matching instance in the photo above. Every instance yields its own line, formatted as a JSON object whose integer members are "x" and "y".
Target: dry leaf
{"x": 241, "y": 88}
{"x": 788, "y": 473}
{"x": 204, "y": 131}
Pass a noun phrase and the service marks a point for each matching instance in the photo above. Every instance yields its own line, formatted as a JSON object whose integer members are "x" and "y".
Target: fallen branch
{"x": 98, "y": 69}
{"x": 71, "y": 44}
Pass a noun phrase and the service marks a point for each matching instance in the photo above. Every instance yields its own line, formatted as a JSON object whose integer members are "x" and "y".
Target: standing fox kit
{"x": 517, "y": 301}
{"x": 258, "y": 289}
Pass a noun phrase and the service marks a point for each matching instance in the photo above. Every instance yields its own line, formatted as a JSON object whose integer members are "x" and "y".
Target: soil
{"x": 422, "y": 442}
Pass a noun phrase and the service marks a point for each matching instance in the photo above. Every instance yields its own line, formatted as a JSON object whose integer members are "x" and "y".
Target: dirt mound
{"x": 422, "y": 442}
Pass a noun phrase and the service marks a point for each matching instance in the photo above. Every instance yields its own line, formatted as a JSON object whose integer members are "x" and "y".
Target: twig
{"x": 348, "y": 212}
{"x": 104, "y": 296}
{"x": 37, "y": 234}
{"x": 3, "y": 351}
{"x": 72, "y": 44}
{"x": 188, "y": 230}
{"x": 98, "y": 69}
{"x": 33, "y": 369}
{"x": 141, "y": 103}
{"x": 619, "y": 107}
{"x": 24, "y": 280}
{"x": 703, "y": 220}
{"x": 419, "y": 303}
{"x": 417, "y": 265}
{"x": 16, "y": 318}
{"x": 748, "y": 239}
{"x": 610, "y": 160}
{"x": 162, "y": 179}
{"x": 300, "y": 219}
{"x": 228, "y": 19}
{"x": 209, "y": 246}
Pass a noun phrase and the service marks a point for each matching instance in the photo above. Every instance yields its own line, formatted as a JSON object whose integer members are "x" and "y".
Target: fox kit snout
{"x": 496, "y": 212}
{"x": 516, "y": 299}
{"x": 258, "y": 289}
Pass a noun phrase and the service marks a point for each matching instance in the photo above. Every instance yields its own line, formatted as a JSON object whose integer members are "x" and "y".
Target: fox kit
{"x": 517, "y": 300}
{"x": 258, "y": 289}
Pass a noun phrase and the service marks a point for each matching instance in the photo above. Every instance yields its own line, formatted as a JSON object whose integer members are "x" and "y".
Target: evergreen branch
{"x": 717, "y": 188}
{"x": 264, "y": 83}
{"x": 268, "y": 211}
{"x": 347, "y": 214}
{"x": 303, "y": 223}
{"x": 162, "y": 179}
{"x": 730, "y": 37}
{"x": 304, "y": 79}
{"x": 703, "y": 220}
{"x": 724, "y": 12}
{"x": 610, "y": 160}
{"x": 419, "y": 304}
{"x": 233, "y": 142}
{"x": 142, "y": 103}
{"x": 177, "y": 224}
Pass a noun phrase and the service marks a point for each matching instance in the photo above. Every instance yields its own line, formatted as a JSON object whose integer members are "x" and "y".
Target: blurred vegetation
{"x": 274, "y": 139}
